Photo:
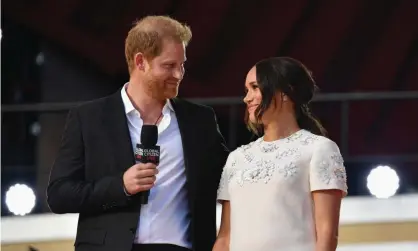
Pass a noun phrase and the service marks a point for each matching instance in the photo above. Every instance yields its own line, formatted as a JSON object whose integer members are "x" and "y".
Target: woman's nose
{"x": 246, "y": 98}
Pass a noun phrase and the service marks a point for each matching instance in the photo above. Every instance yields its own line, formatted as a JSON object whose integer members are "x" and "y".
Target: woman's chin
{"x": 253, "y": 119}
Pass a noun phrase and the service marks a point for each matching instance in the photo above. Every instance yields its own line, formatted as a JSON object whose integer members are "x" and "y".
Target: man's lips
{"x": 173, "y": 83}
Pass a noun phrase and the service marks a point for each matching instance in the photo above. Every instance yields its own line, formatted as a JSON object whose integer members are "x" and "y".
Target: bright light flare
{"x": 20, "y": 199}
{"x": 383, "y": 182}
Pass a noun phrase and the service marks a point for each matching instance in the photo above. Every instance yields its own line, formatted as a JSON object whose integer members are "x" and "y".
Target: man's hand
{"x": 139, "y": 177}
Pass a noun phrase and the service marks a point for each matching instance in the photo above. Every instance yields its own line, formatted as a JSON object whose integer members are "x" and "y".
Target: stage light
{"x": 383, "y": 182}
{"x": 20, "y": 199}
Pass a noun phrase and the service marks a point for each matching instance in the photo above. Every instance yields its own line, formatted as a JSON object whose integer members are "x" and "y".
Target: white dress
{"x": 269, "y": 187}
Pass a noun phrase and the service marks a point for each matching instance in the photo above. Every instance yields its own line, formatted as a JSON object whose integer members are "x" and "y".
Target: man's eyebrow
{"x": 169, "y": 61}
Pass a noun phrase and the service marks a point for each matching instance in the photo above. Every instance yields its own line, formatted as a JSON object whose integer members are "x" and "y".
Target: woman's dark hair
{"x": 292, "y": 78}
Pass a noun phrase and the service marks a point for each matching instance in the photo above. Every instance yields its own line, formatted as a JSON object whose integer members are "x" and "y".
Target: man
{"x": 95, "y": 173}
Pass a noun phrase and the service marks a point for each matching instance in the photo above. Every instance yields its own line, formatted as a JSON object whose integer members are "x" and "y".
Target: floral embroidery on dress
{"x": 294, "y": 136}
{"x": 262, "y": 172}
{"x": 340, "y": 174}
{"x": 289, "y": 170}
{"x": 269, "y": 147}
{"x": 286, "y": 153}
{"x": 324, "y": 173}
{"x": 244, "y": 148}
{"x": 332, "y": 169}
{"x": 227, "y": 175}
{"x": 308, "y": 140}
{"x": 338, "y": 159}
{"x": 249, "y": 156}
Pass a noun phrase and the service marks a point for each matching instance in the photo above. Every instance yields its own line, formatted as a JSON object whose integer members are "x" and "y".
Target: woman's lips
{"x": 252, "y": 108}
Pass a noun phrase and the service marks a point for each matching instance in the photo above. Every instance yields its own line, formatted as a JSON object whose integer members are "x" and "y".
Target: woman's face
{"x": 253, "y": 97}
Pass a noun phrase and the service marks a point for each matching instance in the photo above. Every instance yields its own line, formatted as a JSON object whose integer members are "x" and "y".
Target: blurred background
{"x": 363, "y": 54}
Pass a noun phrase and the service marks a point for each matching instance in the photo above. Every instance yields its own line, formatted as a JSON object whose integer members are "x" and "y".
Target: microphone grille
{"x": 149, "y": 135}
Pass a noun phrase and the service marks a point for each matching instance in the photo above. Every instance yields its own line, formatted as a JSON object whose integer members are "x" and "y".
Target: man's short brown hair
{"x": 148, "y": 33}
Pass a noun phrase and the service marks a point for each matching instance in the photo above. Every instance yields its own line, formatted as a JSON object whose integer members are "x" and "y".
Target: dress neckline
{"x": 289, "y": 138}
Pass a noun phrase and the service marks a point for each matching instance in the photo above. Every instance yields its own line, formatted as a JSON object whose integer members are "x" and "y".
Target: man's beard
{"x": 157, "y": 89}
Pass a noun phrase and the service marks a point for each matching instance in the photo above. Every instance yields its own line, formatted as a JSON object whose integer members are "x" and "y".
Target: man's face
{"x": 162, "y": 74}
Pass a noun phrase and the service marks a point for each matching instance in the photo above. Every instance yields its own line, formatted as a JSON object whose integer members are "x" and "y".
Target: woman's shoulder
{"x": 240, "y": 151}
{"x": 249, "y": 146}
{"x": 310, "y": 139}
{"x": 323, "y": 142}
{"x": 321, "y": 146}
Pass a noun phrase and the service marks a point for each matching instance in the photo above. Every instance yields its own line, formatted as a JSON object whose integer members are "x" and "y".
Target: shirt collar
{"x": 129, "y": 107}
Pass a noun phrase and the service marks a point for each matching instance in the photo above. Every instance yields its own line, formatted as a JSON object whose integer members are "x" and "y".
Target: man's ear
{"x": 140, "y": 61}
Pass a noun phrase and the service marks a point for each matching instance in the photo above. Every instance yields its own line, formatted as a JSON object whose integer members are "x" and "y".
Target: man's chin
{"x": 171, "y": 93}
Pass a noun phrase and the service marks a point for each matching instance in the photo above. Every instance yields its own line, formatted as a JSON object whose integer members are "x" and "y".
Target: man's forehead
{"x": 170, "y": 45}
{"x": 173, "y": 51}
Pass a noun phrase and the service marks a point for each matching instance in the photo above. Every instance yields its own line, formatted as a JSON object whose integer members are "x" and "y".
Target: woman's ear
{"x": 284, "y": 97}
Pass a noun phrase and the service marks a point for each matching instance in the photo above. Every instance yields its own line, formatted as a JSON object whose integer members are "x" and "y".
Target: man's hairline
{"x": 151, "y": 58}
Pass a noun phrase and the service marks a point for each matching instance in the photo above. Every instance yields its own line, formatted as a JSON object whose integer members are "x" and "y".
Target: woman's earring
{"x": 284, "y": 97}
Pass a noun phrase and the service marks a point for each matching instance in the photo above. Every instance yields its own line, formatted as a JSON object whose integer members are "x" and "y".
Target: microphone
{"x": 148, "y": 151}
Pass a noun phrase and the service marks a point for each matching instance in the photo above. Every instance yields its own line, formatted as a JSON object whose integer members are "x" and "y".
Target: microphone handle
{"x": 145, "y": 194}
{"x": 144, "y": 197}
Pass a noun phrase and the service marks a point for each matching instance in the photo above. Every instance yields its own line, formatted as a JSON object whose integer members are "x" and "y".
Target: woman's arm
{"x": 328, "y": 184}
{"x": 222, "y": 241}
{"x": 327, "y": 205}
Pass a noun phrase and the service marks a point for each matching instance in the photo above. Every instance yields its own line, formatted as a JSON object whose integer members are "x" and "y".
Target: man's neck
{"x": 149, "y": 108}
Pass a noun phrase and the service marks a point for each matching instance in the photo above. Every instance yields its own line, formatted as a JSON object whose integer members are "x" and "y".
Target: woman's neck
{"x": 282, "y": 127}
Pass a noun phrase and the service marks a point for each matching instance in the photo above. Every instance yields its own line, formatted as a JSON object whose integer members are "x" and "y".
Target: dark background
{"x": 72, "y": 50}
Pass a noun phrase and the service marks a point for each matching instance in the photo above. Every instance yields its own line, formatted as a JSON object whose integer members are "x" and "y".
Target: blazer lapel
{"x": 184, "y": 121}
{"x": 116, "y": 125}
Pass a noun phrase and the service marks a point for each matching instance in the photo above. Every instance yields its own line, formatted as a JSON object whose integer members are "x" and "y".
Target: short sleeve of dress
{"x": 327, "y": 169}
{"x": 223, "y": 192}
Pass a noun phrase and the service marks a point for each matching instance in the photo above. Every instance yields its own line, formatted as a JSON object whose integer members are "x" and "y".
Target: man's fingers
{"x": 146, "y": 173}
{"x": 145, "y": 187}
{"x": 146, "y": 181}
{"x": 142, "y": 166}
{"x": 139, "y": 188}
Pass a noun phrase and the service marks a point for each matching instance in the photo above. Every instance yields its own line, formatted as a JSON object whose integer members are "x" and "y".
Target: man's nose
{"x": 178, "y": 74}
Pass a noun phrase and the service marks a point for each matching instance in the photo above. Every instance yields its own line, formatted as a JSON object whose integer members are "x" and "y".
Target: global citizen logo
{"x": 147, "y": 155}
{"x": 147, "y": 152}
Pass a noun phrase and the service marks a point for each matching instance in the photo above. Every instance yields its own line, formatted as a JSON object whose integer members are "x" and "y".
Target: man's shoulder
{"x": 95, "y": 104}
{"x": 193, "y": 106}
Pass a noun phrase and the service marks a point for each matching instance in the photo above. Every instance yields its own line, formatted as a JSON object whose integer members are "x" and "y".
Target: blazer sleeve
{"x": 68, "y": 191}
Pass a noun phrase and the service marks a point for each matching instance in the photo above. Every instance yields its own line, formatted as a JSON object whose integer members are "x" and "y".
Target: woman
{"x": 281, "y": 192}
